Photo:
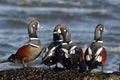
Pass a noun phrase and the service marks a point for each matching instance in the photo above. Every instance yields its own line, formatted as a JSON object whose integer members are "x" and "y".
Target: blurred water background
{"x": 81, "y": 16}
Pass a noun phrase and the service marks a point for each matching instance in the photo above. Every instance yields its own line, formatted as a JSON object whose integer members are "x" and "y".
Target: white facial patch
{"x": 65, "y": 30}
{"x": 101, "y": 29}
{"x": 33, "y": 25}
{"x": 59, "y": 31}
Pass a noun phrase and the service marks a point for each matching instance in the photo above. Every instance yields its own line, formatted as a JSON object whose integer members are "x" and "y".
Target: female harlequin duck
{"x": 49, "y": 53}
{"x": 30, "y": 50}
{"x": 95, "y": 55}
{"x": 68, "y": 53}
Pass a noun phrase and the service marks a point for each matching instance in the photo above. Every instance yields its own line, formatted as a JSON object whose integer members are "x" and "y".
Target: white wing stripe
{"x": 98, "y": 51}
{"x": 46, "y": 50}
{"x": 73, "y": 47}
{"x": 66, "y": 52}
{"x": 72, "y": 50}
{"x": 51, "y": 51}
{"x": 89, "y": 51}
{"x": 88, "y": 57}
{"x": 98, "y": 58}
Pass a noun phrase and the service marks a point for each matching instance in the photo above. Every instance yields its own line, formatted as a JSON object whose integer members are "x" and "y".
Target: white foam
{"x": 114, "y": 49}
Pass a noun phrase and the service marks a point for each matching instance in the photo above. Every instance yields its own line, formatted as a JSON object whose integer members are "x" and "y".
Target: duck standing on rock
{"x": 68, "y": 53}
{"x": 48, "y": 57}
{"x": 95, "y": 54}
{"x": 31, "y": 50}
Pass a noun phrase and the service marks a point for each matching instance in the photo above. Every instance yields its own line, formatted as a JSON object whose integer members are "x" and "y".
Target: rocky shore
{"x": 32, "y": 73}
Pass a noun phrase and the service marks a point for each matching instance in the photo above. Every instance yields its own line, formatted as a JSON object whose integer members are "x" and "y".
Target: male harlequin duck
{"x": 48, "y": 57}
{"x": 95, "y": 54}
{"x": 68, "y": 53}
{"x": 31, "y": 50}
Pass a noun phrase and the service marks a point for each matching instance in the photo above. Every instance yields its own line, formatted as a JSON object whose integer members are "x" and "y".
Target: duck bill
{"x": 4, "y": 61}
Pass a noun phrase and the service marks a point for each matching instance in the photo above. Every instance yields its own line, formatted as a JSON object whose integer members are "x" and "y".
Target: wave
{"x": 114, "y": 49}
{"x": 109, "y": 49}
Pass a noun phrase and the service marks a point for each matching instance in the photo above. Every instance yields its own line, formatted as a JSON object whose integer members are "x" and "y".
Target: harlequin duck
{"x": 95, "y": 54}
{"x": 68, "y": 53}
{"x": 31, "y": 50}
{"x": 48, "y": 57}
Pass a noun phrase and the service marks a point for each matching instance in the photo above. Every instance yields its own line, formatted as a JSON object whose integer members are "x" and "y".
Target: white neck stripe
{"x": 34, "y": 45}
{"x": 70, "y": 42}
{"x": 64, "y": 43}
{"x": 34, "y": 38}
{"x": 98, "y": 41}
{"x": 59, "y": 41}
{"x": 55, "y": 32}
{"x": 73, "y": 48}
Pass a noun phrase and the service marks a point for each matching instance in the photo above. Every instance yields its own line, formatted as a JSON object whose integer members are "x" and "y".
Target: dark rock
{"x": 48, "y": 74}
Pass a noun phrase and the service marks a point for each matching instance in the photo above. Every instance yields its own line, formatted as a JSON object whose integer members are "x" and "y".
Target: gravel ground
{"x": 32, "y": 73}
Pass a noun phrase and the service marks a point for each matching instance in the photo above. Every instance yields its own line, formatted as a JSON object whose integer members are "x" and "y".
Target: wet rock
{"x": 48, "y": 74}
